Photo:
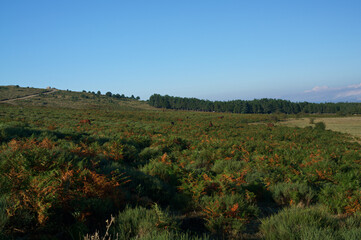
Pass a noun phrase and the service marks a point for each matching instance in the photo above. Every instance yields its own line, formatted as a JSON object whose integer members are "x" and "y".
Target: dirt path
{"x": 26, "y": 97}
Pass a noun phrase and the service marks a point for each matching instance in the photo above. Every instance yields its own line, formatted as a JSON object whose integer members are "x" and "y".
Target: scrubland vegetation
{"x": 165, "y": 174}
{"x": 11, "y": 92}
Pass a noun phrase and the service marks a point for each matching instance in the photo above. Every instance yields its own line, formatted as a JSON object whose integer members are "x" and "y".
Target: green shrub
{"x": 149, "y": 152}
{"x": 290, "y": 223}
{"x": 292, "y": 194}
{"x": 227, "y": 214}
{"x": 153, "y": 188}
{"x": 173, "y": 235}
{"x": 62, "y": 177}
{"x": 351, "y": 234}
{"x": 316, "y": 233}
{"x": 3, "y": 215}
{"x": 228, "y": 166}
{"x": 153, "y": 234}
{"x": 334, "y": 197}
{"x": 14, "y": 130}
{"x": 312, "y": 223}
{"x": 320, "y": 126}
{"x": 137, "y": 223}
{"x": 165, "y": 171}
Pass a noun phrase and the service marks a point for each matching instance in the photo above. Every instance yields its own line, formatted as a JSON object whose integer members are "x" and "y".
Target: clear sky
{"x": 217, "y": 50}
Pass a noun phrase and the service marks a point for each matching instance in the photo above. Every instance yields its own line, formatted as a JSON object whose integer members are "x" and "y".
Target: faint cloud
{"x": 346, "y": 93}
{"x": 349, "y": 93}
{"x": 318, "y": 89}
{"x": 354, "y": 86}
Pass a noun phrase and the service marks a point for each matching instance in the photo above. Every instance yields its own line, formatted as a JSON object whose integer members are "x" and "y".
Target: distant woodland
{"x": 264, "y": 105}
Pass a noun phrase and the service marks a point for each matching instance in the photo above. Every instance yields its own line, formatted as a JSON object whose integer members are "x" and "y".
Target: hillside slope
{"x": 68, "y": 99}
{"x": 14, "y": 92}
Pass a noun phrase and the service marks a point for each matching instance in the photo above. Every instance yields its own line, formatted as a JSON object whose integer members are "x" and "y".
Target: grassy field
{"x": 350, "y": 125}
{"x": 70, "y": 160}
{"x": 11, "y": 92}
{"x": 70, "y": 99}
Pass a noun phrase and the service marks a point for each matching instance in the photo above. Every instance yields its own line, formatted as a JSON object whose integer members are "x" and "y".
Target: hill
{"x": 14, "y": 92}
{"x": 67, "y": 166}
{"x": 68, "y": 99}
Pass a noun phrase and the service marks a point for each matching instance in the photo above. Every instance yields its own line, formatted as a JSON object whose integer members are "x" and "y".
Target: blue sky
{"x": 217, "y": 50}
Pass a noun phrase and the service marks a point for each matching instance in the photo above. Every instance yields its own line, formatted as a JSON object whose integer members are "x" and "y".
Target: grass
{"x": 69, "y": 99}
{"x": 166, "y": 174}
{"x": 11, "y": 92}
{"x": 312, "y": 223}
{"x": 350, "y": 125}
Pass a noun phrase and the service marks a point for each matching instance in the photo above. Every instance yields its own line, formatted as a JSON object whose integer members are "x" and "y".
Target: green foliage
{"x": 227, "y": 214}
{"x": 3, "y": 215}
{"x": 173, "y": 235}
{"x": 264, "y": 106}
{"x": 320, "y": 126}
{"x": 293, "y": 194}
{"x": 64, "y": 171}
{"x": 154, "y": 223}
{"x": 232, "y": 165}
{"x": 136, "y": 223}
{"x": 13, "y": 92}
{"x": 312, "y": 223}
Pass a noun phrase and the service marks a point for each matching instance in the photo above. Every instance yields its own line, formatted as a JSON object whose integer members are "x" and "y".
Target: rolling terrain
{"x": 69, "y": 161}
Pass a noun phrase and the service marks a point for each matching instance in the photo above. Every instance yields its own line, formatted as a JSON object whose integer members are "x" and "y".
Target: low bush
{"x": 3, "y": 215}
{"x": 138, "y": 222}
{"x": 311, "y": 223}
{"x": 227, "y": 215}
{"x": 292, "y": 194}
{"x": 320, "y": 126}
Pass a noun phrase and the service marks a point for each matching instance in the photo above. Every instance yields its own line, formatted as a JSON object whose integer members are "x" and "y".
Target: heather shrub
{"x": 150, "y": 152}
{"x": 202, "y": 159}
{"x": 231, "y": 165}
{"x": 13, "y": 130}
{"x": 290, "y": 222}
{"x": 351, "y": 234}
{"x": 292, "y": 193}
{"x": 227, "y": 214}
{"x": 316, "y": 233}
{"x": 165, "y": 235}
{"x": 62, "y": 178}
{"x": 334, "y": 197}
{"x": 163, "y": 169}
{"x": 320, "y": 126}
{"x": 152, "y": 188}
{"x": 310, "y": 223}
{"x": 3, "y": 215}
{"x": 146, "y": 231}
{"x": 138, "y": 222}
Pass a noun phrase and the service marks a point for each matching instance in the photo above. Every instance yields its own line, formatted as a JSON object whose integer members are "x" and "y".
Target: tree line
{"x": 262, "y": 106}
{"x": 110, "y": 94}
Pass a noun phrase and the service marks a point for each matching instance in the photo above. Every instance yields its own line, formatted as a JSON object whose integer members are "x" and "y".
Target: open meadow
{"x": 180, "y": 120}
{"x": 166, "y": 174}
{"x": 350, "y": 125}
